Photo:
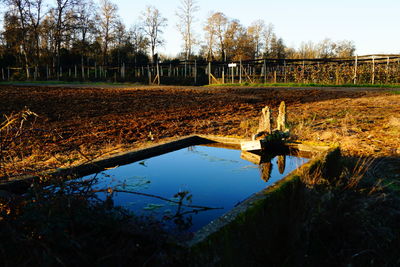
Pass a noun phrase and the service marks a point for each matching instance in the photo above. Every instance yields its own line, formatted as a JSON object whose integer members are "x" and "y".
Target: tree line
{"x": 71, "y": 32}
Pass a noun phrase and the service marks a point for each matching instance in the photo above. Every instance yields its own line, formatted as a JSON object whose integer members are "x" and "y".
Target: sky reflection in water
{"x": 214, "y": 177}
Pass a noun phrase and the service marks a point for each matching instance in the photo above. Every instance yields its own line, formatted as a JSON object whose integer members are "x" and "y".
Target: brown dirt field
{"x": 76, "y": 124}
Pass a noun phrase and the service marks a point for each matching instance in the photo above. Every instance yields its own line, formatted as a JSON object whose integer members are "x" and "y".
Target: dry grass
{"x": 363, "y": 126}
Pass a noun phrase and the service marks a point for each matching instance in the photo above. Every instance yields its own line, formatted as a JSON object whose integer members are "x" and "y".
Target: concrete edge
{"x": 19, "y": 184}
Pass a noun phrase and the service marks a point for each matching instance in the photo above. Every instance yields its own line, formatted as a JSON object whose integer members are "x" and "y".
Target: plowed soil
{"x": 78, "y": 124}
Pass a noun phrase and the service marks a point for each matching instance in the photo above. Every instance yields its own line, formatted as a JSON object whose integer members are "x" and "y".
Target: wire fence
{"x": 369, "y": 69}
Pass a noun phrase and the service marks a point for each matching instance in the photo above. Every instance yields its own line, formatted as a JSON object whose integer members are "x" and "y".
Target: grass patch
{"x": 307, "y": 85}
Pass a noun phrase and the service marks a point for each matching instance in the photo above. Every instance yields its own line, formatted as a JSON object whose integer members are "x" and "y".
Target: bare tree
{"x": 35, "y": 14}
{"x": 210, "y": 39}
{"x": 19, "y": 9}
{"x": 108, "y": 21}
{"x": 345, "y": 48}
{"x": 63, "y": 14}
{"x": 185, "y": 14}
{"x": 326, "y": 48}
{"x": 308, "y": 50}
{"x": 256, "y": 32}
{"x": 85, "y": 17}
{"x": 215, "y": 29}
{"x": 138, "y": 39}
{"x": 153, "y": 24}
{"x": 268, "y": 35}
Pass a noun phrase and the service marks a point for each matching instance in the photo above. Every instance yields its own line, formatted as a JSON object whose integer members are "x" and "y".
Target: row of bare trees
{"x": 80, "y": 32}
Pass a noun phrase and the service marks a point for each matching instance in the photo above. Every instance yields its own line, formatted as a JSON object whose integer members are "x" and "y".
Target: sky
{"x": 373, "y": 26}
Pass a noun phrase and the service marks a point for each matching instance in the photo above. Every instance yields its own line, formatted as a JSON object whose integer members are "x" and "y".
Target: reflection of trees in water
{"x": 266, "y": 169}
{"x": 182, "y": 218}
{"x": 281, "y": 163}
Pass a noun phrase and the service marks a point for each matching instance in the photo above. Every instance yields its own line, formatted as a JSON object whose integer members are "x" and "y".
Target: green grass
{"x": 396, "y": 92}
{"x": 308, "y": 85}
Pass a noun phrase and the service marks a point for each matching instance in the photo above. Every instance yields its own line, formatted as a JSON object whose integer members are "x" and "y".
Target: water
{"x": 214, "y": 178}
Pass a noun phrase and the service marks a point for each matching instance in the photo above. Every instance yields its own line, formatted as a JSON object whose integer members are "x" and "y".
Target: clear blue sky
{"x": 373, "y": 25}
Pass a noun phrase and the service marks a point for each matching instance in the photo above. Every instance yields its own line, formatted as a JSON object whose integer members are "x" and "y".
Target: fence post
{"x": 232, "y": 73}
{"x": 209, "y": 72}
{"x": 373, "y": 70}
{"x": 240, "y": 71}
{"x": 76, "y": 72}
{"x": 83, "y": 68}
{"x": 195, "y": 72}
{"x": 158, "y": 73}
{"x": 223, "y": 74}
{"x": 8, "y": 73}
{"x": 95, "y": 70}
{"x": 149, "y": 74}
{"x": 185, "y": 69}
{"x": 284, "y": 71}
{"x": 387, "y": 70}
{"x": 337, "y": 73}
{"x": 355, "y": 70}
{"x": 265, "y": 71}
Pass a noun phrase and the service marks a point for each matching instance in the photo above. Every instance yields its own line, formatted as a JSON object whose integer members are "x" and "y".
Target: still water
{"x": 188, "y": 188}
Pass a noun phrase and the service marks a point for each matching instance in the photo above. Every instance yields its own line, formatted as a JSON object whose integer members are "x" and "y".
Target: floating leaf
{"x": 153, "y": 206}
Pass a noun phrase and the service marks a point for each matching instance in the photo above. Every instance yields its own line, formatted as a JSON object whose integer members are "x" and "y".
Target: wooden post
{"x": 240, "y": 71}
{"x": 148, "y": 73}
{"x": 195, "y": 72}
{"x": 8, "y": 73}
{"x": 373, "y": 70}
{"x": 209, "y": 72}
{"x": 303, "y": 72}
{"x": 95, "y": 70}
{"x": 69, "y": 72}
{"x": 337, "y": 73}
{"x": 47, "y": 72}
{"x": 2, "y": 73}
{"x": 158, "y": 73}
{"x": 265, "y": 71}
{"x": 82, "y": 68}
{"x": 232, "y": 73}
{"x": 284, "y": 71}
{"x": 76, "y": 72}
{"x": 355, "y": 70}
{"x": 35, "y": 74}
{"x": 398, "y": 67}
{"x": 387, "y": 70}
{"x": 185, "y": 74}
{"x": 223, "y": 75}
{"x": 274, "y": 76}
